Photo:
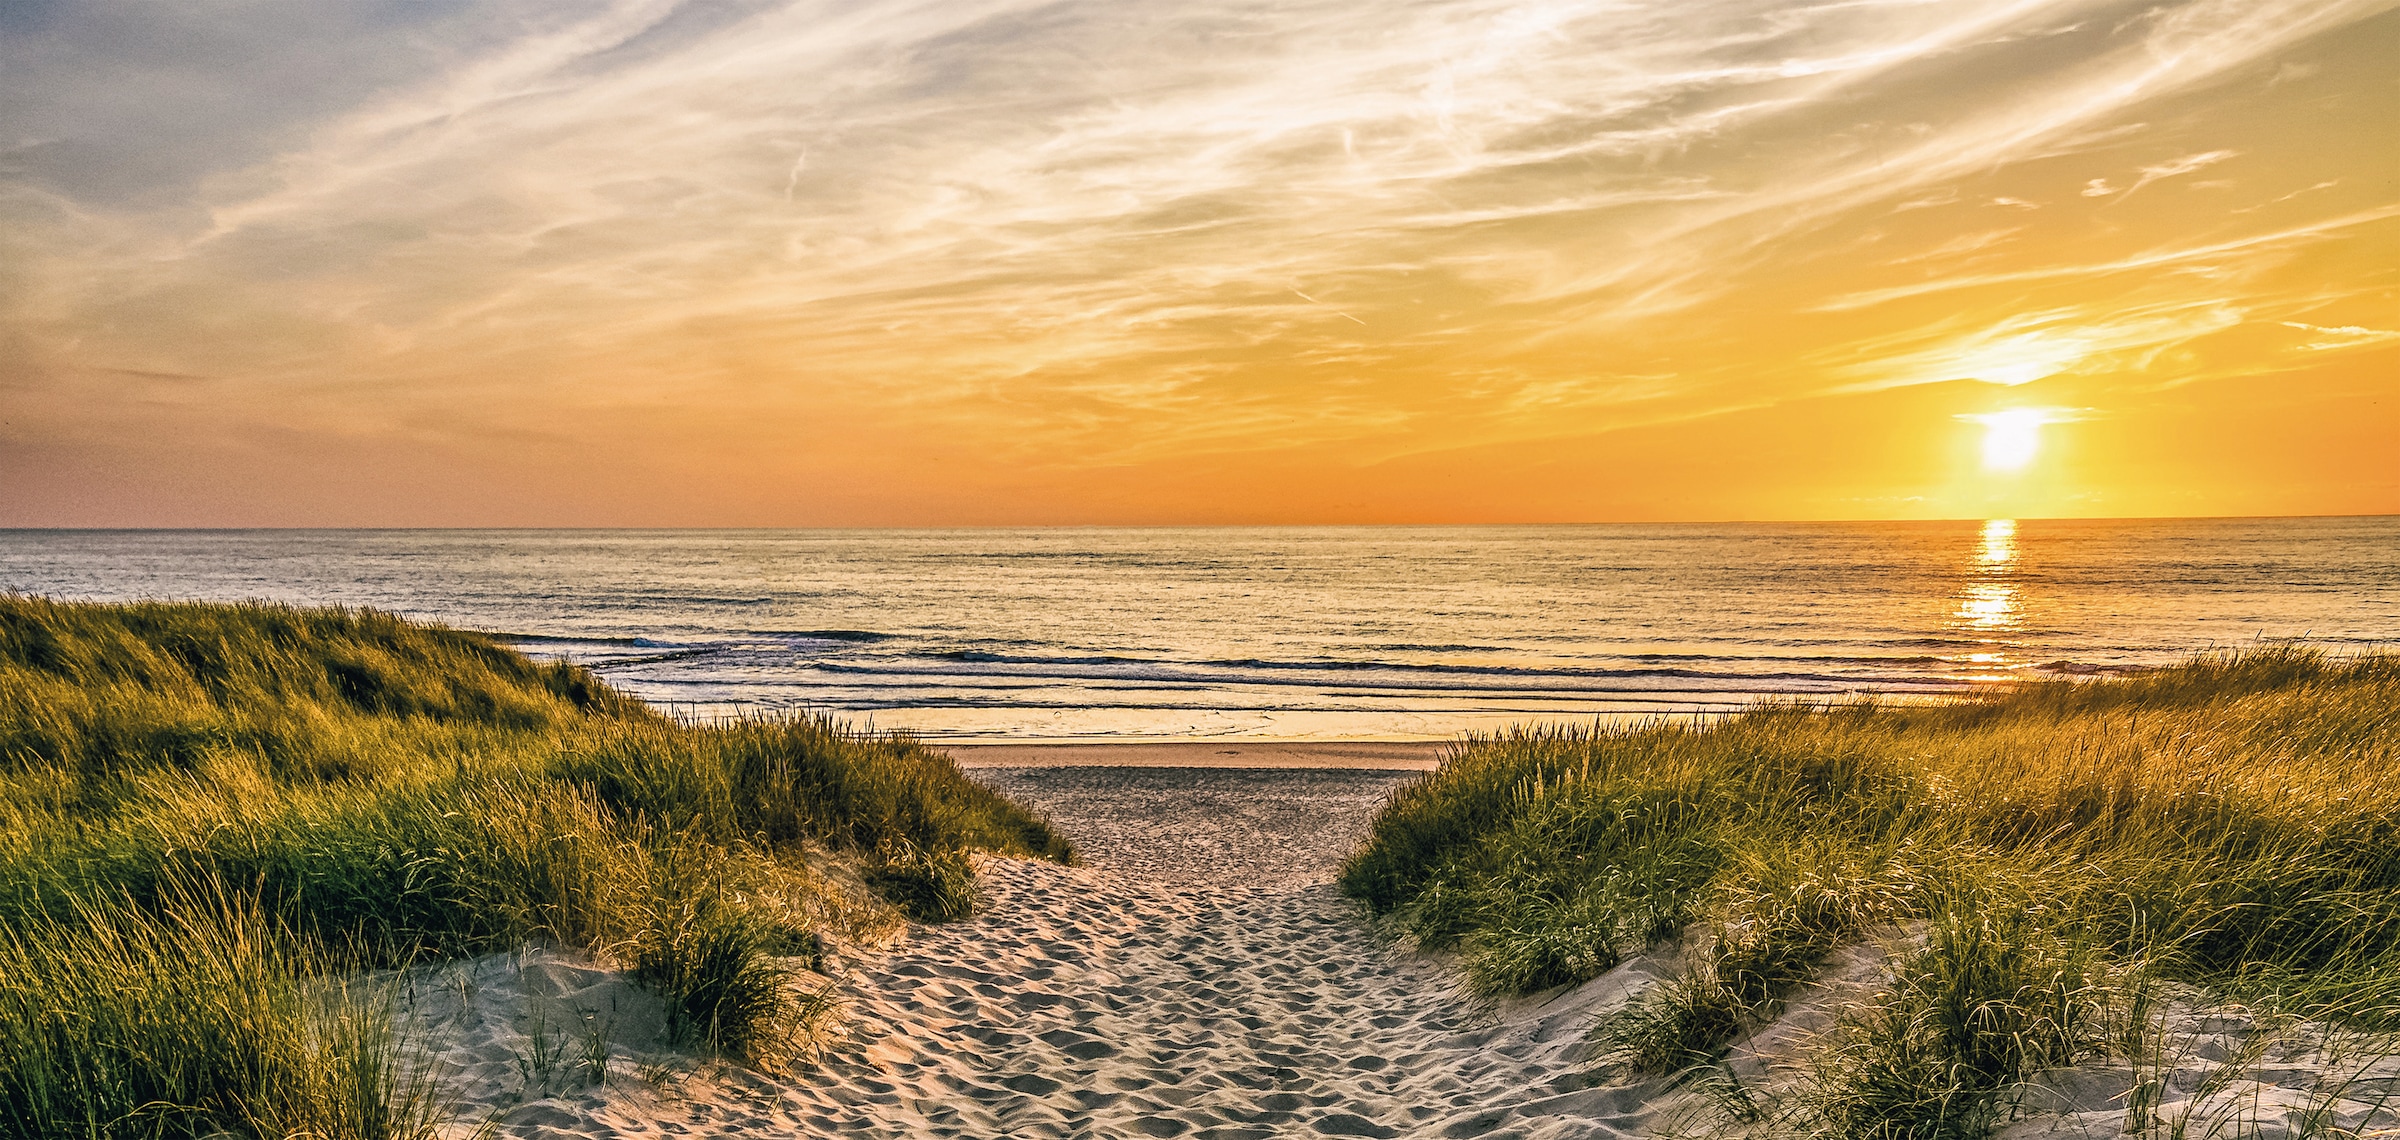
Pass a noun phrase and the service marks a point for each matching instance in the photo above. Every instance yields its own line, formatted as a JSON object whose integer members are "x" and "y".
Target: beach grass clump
{"x": 1565, "y": 886}
{"x": 710, "y": 962}
{"x": 196, "y": 1017}
{"x": 927, "y": 885}
{"x": 780, "y": 780}
{"x": 1771, "y": 925}
{"x": 2232, "y": 822}
{"x": 1990, "y": 999}
{"x": 361, "y": 792}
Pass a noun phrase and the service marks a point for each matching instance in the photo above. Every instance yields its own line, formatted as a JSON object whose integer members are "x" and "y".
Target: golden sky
{"x": 907, "y": 262}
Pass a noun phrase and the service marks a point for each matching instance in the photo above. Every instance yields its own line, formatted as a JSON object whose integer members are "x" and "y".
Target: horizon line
{"x": 897, "y": 527}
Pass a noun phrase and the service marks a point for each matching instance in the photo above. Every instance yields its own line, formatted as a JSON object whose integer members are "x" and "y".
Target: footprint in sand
{"x": 1200, "y": 978}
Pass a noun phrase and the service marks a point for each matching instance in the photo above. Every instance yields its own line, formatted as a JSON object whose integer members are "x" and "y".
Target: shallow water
{"x": 1299, "y": 632}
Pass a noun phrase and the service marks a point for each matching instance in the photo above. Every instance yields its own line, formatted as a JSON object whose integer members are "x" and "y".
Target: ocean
{"x": 1359, "y": 633}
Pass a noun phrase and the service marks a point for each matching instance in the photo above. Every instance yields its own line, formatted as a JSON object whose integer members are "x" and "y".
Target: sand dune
{"x": 1201, "y": 978}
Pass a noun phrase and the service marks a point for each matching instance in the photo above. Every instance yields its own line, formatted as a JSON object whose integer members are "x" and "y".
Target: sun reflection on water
{"x": 1999, "y": 550}
{"x": 1988, "y": 602}
{"x": 1989, "y": 606}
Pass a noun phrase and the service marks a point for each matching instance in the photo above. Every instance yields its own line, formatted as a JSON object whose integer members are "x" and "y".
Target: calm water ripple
{"x": 1300, "y": 632}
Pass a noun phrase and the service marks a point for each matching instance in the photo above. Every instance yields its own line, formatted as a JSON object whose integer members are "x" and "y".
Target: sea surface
{"x": 1300, "y": 633}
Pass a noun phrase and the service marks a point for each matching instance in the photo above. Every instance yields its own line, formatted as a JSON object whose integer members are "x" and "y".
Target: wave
{"x": 982, "y": 657}
{"x": 557, "y": 639}
{"x": 1531, "y": 705}
{"x": 698, "y": 599}
{"x": 1089, "y": 672}
{"x": 859, "y": 636}
{"x": 612, "y": 663}
{"x": 789, "y": 659}
{"x": 1404, "y": 648}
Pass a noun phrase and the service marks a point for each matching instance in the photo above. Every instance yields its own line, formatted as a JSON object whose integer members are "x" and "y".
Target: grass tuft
{"x": 1772, "y": 924}
{"x": 1991, "y": 999}
{"x": 722, "y": 988}
{"x": 211, "y": 813}
{"x": 2232, "y": 822}
{"x": 927, "y": 886}
{"x": 198, "y": 1016}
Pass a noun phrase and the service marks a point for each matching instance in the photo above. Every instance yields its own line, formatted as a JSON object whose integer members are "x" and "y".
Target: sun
{"x": 2011, "y": 438}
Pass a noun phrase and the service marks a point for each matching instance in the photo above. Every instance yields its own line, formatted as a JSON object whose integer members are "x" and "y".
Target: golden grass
{"x": 265, "y": 794}
{"x": 2234, "y": 821}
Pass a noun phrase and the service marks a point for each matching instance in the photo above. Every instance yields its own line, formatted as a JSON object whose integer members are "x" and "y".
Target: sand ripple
{"x": 1094, "y": 1003}
{"x": 1200, "y": 977}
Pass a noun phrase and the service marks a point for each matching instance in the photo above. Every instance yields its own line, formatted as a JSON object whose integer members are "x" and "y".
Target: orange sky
{"x": 990, "y": 262}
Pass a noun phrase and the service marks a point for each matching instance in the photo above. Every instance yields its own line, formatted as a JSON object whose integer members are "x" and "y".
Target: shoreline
{"x": 1405, "y": 756}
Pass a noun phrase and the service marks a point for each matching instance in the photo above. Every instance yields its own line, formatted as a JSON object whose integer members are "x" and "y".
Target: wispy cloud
{"x": 1132, "y": 230}
{"x": 2344, "y": 336}
{"x": 2146, "y": 260}
{"x": 2032, "y": 346}
{"x": 2177, "y": 168}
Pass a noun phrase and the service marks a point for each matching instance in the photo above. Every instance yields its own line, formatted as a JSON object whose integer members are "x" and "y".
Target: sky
{"x": 1003, "y": 262}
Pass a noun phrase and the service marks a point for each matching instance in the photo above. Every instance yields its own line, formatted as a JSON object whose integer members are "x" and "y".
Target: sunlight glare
{"x": 2024, "y": 358}
{"x": 1999, "y": 549}
{"x": 2011, "y": 438}
{"x": 1989, "y": 606}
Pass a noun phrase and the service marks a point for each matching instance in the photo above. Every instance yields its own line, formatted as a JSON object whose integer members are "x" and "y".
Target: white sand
{"x": 1202, "y": 978}
{"x": 2217, "y": 1071}
{"x": 1183, "y": 984}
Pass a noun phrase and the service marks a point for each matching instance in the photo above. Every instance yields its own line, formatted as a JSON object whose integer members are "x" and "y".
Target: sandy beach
{"x": 1397, "y": 756}
{"x": 1200, "y": 976}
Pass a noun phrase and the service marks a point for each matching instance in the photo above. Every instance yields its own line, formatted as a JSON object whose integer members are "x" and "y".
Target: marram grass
{"x": 196, "y": 1015}
{"x": 2232, "y": 822}
{"x": 212, "y": 814}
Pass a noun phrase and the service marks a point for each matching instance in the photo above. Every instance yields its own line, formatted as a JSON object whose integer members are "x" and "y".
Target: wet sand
{"x": 1402, "y": 756}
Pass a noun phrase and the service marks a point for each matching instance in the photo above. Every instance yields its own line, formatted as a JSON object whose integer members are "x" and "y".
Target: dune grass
{"x": 198, "y": 1015}
{"x": 2233, "y": 822}
{"x": 210, "y": 814}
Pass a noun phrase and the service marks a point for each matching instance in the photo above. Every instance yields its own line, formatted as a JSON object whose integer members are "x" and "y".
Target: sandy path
{"x": 1204, "y": 827}
{"x": 1199, "y": 978}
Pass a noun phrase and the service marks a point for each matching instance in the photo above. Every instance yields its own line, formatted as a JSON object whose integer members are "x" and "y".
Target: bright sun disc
{"x": 2011, "y": 438}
